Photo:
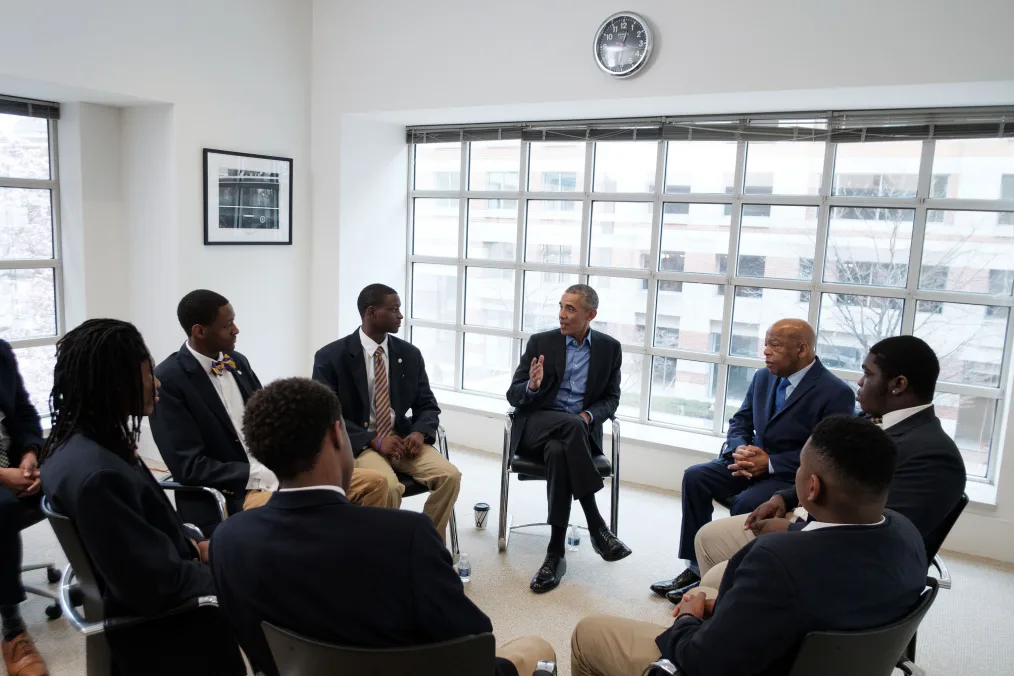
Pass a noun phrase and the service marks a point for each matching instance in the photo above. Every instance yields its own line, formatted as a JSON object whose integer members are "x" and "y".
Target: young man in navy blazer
{"x": 783, "y": 404}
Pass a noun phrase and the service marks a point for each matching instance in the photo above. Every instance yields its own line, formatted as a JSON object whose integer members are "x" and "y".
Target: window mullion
{"x": 459, "y": 303}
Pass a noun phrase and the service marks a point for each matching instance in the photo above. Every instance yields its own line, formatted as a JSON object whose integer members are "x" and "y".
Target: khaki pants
{"x": 526, "y": 652}
{"x": 612, "y": 646}
{"x": 430, "y": 469}
{"x": 367, "y": 488}
{"x": 715, "y": 544}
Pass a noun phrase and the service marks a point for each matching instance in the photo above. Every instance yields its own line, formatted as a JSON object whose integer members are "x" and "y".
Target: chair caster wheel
{"x": 501, "y": 544}
{"x": 54, "y": 612}
{"x": 53, "y": 575}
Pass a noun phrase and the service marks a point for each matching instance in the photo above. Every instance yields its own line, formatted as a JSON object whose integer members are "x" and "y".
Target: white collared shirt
{"x": 338, "y": 489}
{"x": 892, "y": 418}
{"x": 817, "y": 525}
{"x": 369, "y": 348}
{"x": 261, "y": 478}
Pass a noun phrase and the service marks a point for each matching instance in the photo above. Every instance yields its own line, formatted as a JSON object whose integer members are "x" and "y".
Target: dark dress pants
{"x": 12, "y": 513}
{"x": 560, "y": 440}
{"x": 714, "y": 481}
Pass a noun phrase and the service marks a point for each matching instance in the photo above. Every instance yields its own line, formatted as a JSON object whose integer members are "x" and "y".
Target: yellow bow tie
{"x": 222, "y": 365}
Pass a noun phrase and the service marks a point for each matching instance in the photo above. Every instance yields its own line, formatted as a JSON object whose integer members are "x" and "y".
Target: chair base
{"x": 53, "y": 576}
{"x": 502, "y": 542}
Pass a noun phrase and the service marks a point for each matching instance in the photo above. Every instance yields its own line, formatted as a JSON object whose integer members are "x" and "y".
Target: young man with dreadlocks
{"x": 103, "y": 385}
{"x": 198, "y": 425}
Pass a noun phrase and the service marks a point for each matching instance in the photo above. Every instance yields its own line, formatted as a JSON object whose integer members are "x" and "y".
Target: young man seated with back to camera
{"x": 314, "y": 564}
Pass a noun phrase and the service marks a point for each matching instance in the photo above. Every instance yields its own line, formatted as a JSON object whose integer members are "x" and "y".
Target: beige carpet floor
{"x": 968, "y": 632}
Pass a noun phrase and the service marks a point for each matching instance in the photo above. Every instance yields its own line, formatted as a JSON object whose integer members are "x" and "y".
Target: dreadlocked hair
{"x": 98, "y": 390}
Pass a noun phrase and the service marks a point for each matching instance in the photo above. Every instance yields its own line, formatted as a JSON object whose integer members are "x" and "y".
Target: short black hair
{"x": 371, "y": 296}
{"x": 910, "y": 357}
{"x": 285, "y": 423}
{"x": 199, "y": 307}
{"x": 857, "y": 451}
{"x": 591, "y": 297}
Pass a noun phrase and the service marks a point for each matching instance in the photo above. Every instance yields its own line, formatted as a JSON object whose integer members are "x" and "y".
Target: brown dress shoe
{"x": 21, "y": 658}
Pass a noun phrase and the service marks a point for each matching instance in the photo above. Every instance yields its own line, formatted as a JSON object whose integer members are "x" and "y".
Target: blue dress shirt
{"x": 570, "y": 398}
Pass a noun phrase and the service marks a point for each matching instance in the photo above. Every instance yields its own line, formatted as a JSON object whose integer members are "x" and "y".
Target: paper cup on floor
{"x": 481, "y": 514}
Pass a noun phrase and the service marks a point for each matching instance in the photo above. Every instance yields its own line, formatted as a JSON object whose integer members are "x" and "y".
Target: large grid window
{"x": 30, "y": 269}
{"x": 697, "y": 247}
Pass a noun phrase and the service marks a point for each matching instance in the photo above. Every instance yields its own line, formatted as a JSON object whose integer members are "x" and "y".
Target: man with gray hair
{"x": 567, "y": 384}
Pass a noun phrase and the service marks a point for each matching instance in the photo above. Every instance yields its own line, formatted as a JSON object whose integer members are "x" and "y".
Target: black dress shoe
{"x": 608, "y": 546}
{"x": 676, "y": 595}
{"x": 549, "y": 576}
{"x": 663, "y": 587}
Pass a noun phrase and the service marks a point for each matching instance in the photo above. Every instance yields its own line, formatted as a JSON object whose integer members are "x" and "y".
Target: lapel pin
{"x": 399, "y": 360}
{"x": 239, "y": 372}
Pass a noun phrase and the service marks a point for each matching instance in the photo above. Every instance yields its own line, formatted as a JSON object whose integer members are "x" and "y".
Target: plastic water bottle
{"x": 464, "y": 568}
{"x": 573, "y": 539}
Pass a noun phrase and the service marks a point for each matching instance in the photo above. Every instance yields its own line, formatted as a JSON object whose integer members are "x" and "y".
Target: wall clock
{"x": 623, "y": 44}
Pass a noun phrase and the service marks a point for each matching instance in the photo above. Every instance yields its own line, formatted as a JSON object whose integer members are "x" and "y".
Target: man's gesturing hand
{"x": 535, "y": 374}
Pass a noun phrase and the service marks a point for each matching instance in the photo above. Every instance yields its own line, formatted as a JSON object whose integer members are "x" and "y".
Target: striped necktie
{"x": 381, "y": 395}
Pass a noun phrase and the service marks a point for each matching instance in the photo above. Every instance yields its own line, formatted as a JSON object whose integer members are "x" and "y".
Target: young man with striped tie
{"x": 389, "y": 409}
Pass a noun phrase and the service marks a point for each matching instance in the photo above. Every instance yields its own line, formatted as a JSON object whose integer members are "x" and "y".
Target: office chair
{"x": 29, "y": 517}
{"x": 528, "y": 469}
{"x": 413, "y": 488}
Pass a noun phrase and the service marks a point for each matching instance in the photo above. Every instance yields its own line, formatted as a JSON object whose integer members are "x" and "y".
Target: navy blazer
{"x": 196, "y": 437}
{"x": 342, "y": 367}
{"x": 315, "y": 564}
{"x": 21, "y": 420}
{"x": 818, "y": 395}
{"x": 782, "y": 586}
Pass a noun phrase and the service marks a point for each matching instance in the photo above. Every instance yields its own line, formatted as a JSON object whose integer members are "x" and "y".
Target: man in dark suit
{"x": 566, "y": 386}
{"x": 783, "y": 404}
{"x": 390, "y": 411}
{"x": 782, "y": 586}
{"x": 198, "y": 423}
{"x": 20, "y": 443}
{"x": 146, "y": 561}
{"x": 339, "y": 573}
{"x": 899, "y": 379}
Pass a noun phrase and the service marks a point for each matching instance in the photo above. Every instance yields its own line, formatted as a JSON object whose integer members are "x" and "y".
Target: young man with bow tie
{"x": 198, "y": 423}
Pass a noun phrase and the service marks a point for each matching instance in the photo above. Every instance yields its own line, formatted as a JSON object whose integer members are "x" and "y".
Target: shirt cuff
{"x": 528, "y": 391}
{"x": 771, "y": 467}
{"x": 591, "y": 418}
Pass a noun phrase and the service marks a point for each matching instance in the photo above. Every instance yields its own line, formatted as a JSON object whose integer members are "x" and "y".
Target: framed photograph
{"x": 247, "y": 198}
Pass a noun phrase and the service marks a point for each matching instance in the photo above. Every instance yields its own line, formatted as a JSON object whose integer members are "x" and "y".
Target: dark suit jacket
{"x": 313, "y": 563}
{"x": 342, "y": 367}
{"x": 196, "y": 437}
{"x": 930, "y": 477}
{"x": 602, "y": 391}
{"x": 782, "y": 586}
{"x": 20, "y": 418}
{"x": 819, "y": 394}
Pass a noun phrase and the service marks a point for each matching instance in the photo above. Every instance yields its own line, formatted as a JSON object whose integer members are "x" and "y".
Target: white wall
{"x": 530, "y": 59}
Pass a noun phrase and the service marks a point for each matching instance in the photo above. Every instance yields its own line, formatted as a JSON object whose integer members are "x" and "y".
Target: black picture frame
{"x": 260, "y": 189}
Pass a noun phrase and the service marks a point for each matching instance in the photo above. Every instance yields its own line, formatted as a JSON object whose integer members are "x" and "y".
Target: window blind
{"x": 11, "y": 105}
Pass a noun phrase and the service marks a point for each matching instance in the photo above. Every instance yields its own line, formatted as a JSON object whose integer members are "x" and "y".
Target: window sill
{"x": 981, "y": 493}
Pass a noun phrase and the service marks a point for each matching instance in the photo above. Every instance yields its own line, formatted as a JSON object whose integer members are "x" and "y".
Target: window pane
{"x": 24, "y": 147}
{"x": 622, "y": 306}
{"x": 36, "y": 366}
{"x": 489, "y": 363}
{"x": 738, "y": 383}
{"x": 630, "y": 385}
{"x": 493, "y": 165}
{"x": 682, "y": 392}
{"x": 850, "y": 324}
{"x": 556, "y": 167}
{"x": 699, "y": 166}
{"x": 869, "y": 246}
{"x": 753, "y": 315}
{"x": 436, "y": 228}
{"x": 686, "y": 314}
{"x": 26, "y": 224}
{"x": 492, "y": 229}
{"x": 771, "y": 243}
{"x": 789, "y": 168}
{"x": 968, "y": 339}
{"x": 885, "y": 169}
{"x": 974, "y": 169}
{"x": 695, "y": 234}
{"x": 969, "y": 251}
{"x": 553, "y": 232}
{"x": 542, "y": 299}
{"x": 437, "y": 347}
{"x": 621, "y": 234}
{"x": 434, "y": 291}
{"x": 489, "y": 297}
{"x": 625, "y": 166}
{"x": 438, "y": 166}
{"x": 969, "y": 421}
{"x": 27, "y": 303}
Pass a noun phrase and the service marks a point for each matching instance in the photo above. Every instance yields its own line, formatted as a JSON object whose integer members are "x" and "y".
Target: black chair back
{"x": 298, "y": 656}
{"x": 873, "y": 652}
{"x": 935, "y": 540}
{"x": 89, "y": 584}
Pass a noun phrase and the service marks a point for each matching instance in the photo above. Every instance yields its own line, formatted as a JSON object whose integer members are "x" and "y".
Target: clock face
{"x": 623, "y": 44}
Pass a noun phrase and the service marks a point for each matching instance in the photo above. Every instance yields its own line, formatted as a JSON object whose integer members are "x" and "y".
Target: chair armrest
{"x": 215, "y": 494}
{"x": 911, "y": 668}
{"x": 945, "y": 575}
{"x": 442, "y": 442}
{"x": 661, "y": 666}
